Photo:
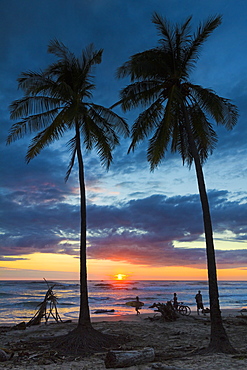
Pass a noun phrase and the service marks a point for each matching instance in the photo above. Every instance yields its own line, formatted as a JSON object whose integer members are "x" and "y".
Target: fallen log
{"x": 118, "y": 359}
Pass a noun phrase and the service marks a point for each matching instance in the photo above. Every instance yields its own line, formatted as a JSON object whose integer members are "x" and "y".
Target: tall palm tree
{"x": 177, "y": 114}
{"x": 56, "y": 100}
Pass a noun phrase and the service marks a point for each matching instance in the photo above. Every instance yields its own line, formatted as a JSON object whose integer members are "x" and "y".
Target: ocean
{"x": 19, "y": 300}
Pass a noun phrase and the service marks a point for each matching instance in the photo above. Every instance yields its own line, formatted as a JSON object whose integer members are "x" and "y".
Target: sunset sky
{"x": 141, "y": 224}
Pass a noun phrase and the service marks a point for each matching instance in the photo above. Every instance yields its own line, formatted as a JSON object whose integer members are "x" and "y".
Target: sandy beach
{"x": 174, "y": 343}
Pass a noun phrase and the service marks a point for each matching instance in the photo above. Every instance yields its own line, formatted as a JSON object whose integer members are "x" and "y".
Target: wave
{"x": 21, "y": 297}
{"x": 24, "y": 304}
{"x": 104, "y": 285}
{"x": 66, "y": 304}
{"x": 100, "y": 298}
{"x": 6, "y": 295}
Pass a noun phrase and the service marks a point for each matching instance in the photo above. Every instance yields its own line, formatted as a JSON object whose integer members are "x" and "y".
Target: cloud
{"x": 144, "y": 231}
{"x": 140, "y": 231}
{"x": 12, "y": 259}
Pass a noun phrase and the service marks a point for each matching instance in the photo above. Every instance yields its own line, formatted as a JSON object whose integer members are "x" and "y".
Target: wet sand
{"x": 174, "y": 343}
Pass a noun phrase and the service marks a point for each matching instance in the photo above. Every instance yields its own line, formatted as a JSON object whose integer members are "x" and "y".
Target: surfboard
{"x": 134, "y": 304}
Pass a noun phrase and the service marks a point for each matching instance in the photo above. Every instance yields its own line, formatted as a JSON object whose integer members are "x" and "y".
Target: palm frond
{"x": 59, "y": 49}
{"x": 220, "y": 109}
{"x": 118, "y": 123}
{"x": 102, "y": 128}
{"x": 150, "y": 64}
{"x": 166, "y": 31}
{"x": 204, "y": 135}
{"x": 104, "y": 140}
{"x": 146, "y": 123}
{"x": 30, "y": 82}
{"x": 158, "y": 144}
{"x": 30, "y": 124}
{"x": 72, "y": 148}
{"x": 204, "y": 30}
{"x": 89, "y": 58}
{"x": 52, "y": 133}
{"x": 31, "y": 105}
{"x": 140, "y": 93}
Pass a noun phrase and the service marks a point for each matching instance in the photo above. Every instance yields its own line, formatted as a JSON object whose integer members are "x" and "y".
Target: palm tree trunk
{"x": 219, "y": 341}
{"x": 84, "y": 316}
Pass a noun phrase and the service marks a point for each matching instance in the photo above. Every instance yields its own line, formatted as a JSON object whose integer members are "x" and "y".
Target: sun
{"x": 120, "y": 276}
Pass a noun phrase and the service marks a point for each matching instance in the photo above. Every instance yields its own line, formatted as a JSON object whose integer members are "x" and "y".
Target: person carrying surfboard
{"x": 138, "y": 306}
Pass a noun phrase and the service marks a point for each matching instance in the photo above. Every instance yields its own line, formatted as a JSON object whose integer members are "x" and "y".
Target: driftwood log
{"x": 118, "y": 359}
{"x": 167, "y": 311}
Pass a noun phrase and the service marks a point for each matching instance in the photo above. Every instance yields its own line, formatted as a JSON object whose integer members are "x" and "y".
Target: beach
{"x": 174, "y": 343}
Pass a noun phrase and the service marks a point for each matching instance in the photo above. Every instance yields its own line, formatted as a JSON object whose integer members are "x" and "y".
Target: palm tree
{"x": 56, "y": 100}
{"x": 177, "y": 113}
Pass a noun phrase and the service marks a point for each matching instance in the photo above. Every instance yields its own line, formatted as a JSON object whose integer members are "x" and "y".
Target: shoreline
{"x": 225, "y": 313}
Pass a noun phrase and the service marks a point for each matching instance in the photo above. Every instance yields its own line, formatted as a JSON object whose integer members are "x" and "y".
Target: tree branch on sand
{"x": 167, "y": 311}
{"x": 47, "y": 308}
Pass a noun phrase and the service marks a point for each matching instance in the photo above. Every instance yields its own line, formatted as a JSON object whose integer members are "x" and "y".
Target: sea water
{"x": 19, "y": 300}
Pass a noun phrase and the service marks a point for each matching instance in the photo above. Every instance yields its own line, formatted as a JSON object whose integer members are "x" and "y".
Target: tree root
{"x": 83, "y": 341}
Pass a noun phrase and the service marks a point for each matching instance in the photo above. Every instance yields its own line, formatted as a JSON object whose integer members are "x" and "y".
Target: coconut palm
{"x": 56, "y": 100}
{"x": 177, "y": 115}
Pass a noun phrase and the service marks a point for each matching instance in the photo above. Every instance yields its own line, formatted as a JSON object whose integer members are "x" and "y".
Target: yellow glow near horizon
{"x": 120, "y": 276}
{"x": 62, "y": 267}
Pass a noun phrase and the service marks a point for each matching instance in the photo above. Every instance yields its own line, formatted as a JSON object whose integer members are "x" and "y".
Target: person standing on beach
{"x": 175, "y": 301}
{"x": 199, "y": 303}
{"x": 138, "y": 305}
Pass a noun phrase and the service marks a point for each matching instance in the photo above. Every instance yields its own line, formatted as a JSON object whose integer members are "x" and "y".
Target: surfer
{"x": 138, "y": 305}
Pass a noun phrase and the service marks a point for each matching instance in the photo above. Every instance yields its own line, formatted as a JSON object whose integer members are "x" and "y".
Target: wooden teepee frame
{"x": 47, "y": 308}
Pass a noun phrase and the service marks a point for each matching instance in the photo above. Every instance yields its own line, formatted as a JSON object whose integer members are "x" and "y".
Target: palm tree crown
{"x": 160, "y": 83}
{"x": 59, "y": 98}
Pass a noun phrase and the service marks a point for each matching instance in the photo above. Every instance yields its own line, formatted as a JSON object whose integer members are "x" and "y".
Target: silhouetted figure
{"x": 175, "y": 301}
{"x": 199, "y": 303}
{"x": 138, "y": 305}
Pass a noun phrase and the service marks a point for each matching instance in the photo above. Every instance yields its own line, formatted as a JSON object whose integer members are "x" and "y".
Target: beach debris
{"x": 103, "y": 311}
{"x": 117, "y": 359}
{"x": 167, "y": 311}
{"x": 5, "y": 354}
{"x": 47, "y": 308}
{"x": 21, "y": 326}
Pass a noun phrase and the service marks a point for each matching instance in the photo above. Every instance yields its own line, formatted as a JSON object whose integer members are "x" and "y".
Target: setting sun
{"x": 120, "y": 276}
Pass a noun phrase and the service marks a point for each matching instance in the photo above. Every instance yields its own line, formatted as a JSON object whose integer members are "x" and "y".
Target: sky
{"x": 142, "y": 224}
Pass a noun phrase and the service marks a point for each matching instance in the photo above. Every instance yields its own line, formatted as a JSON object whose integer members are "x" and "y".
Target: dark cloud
{"x": 141, "y": 231}
{"x": 144, "y": 231}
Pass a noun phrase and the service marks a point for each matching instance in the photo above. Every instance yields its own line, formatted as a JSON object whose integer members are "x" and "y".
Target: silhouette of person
{"x": 199, "y": 303}
{"x": 138, "y": 305}
{"x": 175, "y": 301}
